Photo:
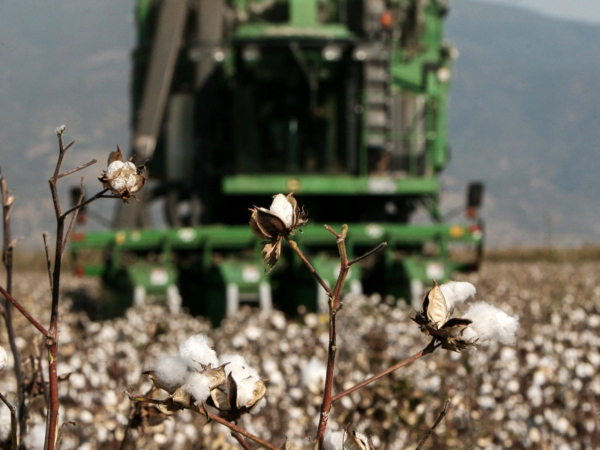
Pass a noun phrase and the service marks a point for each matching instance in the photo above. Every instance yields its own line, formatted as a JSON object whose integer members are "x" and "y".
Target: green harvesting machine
{"x": 342, "y": 102}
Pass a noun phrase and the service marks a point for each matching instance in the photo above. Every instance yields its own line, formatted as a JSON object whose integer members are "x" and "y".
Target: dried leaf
{"x": 115, "y": 156}
{"x": 435, "y": 306}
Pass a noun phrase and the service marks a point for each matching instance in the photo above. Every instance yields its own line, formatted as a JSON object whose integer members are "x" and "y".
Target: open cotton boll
{"x": 198, "y": 386}
{"x": 490, "y": 323}
{"x": 172, "y": 372}
{"x": 195, "y": 351}
{"x": 238, "y": 367}
{"x": 283, "y": 208}
{"x": 457, "y": 292}
{"x": 333, "y": 440}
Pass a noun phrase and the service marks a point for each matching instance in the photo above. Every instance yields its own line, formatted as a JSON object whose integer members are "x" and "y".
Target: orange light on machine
{"x": 456, "y": 231}
{"x": 386, "y": 20}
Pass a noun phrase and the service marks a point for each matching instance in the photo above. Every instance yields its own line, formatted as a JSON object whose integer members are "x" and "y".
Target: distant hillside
{"x": 525, "y": 117}
{"x": 524, "y": 113}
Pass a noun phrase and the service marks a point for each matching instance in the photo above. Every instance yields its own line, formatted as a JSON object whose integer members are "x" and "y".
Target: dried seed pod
{"x": 281, "y": 220}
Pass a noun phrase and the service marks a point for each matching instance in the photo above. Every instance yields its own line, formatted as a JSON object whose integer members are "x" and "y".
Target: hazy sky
{"x": 580, "y": 10}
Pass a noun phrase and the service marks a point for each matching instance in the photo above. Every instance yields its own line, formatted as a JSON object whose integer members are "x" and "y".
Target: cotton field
{"x": 541, "y": 393}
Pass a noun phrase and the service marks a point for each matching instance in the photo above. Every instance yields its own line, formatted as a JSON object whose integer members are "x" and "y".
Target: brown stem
{"x": 74, "y": 217}
{"x": 7, "y": 258}
{"x": 13, "y": 421}
{"x": 241, "y": 441}
{"x": 334, "y": 302}
{"x": 369, "y": 253}
{"x": 427, "y": 350}
{"x": 48, "y": 262}
{"x": 298, "y": 252}
{"x": 25, "y": 313}
{"x": 77, "y": 169}
{"x": 211, "y": 416}
{"x": 87, "y": 202}
{"x": 441, "y": 415}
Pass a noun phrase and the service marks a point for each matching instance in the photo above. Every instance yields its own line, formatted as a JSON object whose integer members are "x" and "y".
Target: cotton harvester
{"x": 342, "y": 102}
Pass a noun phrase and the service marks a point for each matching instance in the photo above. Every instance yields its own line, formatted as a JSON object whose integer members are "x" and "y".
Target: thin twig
{"x": 241, "y": 441}
{"x": 427, "y": 350}
{"x": 441, "y": 415}
{"x": 69, "y": 145}
{"x": 369, "y": 253}
{"x": 87, "y": 202}
{"x": 76, "y": 169}
{"x": 23, "y": 311}
{"x": 201, "y": 410}
{"x": 8, "y": 248}
{"x": 13, "y": 421}
{"x": 48, "y": 262}
{"x": 296, "y": 249}
{"x": 74, "y": 217}
{"x": 334, "y": 302}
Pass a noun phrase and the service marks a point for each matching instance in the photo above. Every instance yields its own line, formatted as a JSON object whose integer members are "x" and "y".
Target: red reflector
{"x": 78, "y": 237}
{"x": 79, "y": 271}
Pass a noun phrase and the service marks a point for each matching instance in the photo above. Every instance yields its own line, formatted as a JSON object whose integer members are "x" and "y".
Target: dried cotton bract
{"x": 281, "y": 220}
{"x": 482, "y": 322}
{"x": 123, "y": 179}
{"x": 346, "y": 440}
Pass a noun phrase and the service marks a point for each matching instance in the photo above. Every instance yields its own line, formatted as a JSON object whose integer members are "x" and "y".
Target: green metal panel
{"x": 328, "y": 185}
{"x": 303, "y": 13}
{"x": 254, "y": 31}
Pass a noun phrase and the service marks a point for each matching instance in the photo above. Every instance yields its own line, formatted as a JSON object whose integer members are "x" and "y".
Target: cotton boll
{"x": 258, "y": 406}
{"x": 130, "y": 181}
{"x": 196, "y": 350}
{"x": 245, "y": 391}
{"x": 237, "y": 367}
{"x": 457, "y": 292}
{"x": 129, "y": 167}
{"x": 172, "y": 372}
{"x": 333, "y": 440}
{"x": 118, "y": 184}
{"x": 114, "y": 166}
{"x": 490, "y": 323}
{"x": 283, "y": 208}
{"x": 198, "y": 386}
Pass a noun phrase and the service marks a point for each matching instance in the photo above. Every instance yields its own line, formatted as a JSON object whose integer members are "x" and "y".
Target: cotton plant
{"x": 227, "y": 386}
{"x": 481, "y": 323}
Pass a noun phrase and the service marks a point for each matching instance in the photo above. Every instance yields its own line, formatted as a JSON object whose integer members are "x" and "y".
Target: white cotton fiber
{"x": 283, "y": 208}
{"x": 198, "y": 386}
{"x": 313, "y": 375}
{"x": 245, "y": 389}
{"x": 196, "y": 350}
{"x": 333, "y": 440}
{"x": 172, "y": 371}
{"x": 238, "y": 367}
{"x": 457, "y": 292}
{"x": 490, "y": 323}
